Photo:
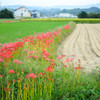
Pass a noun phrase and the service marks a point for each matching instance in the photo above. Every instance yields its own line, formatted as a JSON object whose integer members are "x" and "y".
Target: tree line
{"x": 83, "y": 14}
{"x": 5, "y": 13}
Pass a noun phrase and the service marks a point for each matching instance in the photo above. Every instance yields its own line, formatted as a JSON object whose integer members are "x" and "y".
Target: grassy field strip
{"x": 11, "y": 31}
{"x": 77, "y": 20}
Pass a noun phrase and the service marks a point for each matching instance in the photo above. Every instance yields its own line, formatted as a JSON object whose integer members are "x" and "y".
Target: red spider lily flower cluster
{"x": 11, "y": 71}
{"x": 66, "y": 27}
{"x": 31, "y": 76}
{"x": 49, "y": 69}
{"x": 8, "y": 21}
{"x": 78, "y": 67}
{"x": 34, "y": 47}
{"x": 6, "y": 89}
{"x": 17, "y": 61}
{"x": 7, "y": 50}
{"x": 14, "y": 80}
{"x": 69, "y": 59}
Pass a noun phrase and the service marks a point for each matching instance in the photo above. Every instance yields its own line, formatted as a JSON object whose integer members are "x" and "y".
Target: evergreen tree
{"x": 83, "y": 14}
{"x": 6, "y": 14}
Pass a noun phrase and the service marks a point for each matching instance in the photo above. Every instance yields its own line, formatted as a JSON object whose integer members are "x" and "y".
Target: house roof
{"x": 21, "y": 7}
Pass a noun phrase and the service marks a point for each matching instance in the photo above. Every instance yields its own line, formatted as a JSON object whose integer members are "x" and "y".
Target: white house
{"x": 21, "y": 12}
{"x": 35, "y": 14}
{"x": 66, "y": 15}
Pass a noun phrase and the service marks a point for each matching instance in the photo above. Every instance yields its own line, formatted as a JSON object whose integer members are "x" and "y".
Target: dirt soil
{"x": 84, "y": 44}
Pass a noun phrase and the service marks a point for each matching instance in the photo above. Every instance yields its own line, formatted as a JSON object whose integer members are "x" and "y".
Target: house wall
{"x": 22, "y": 12}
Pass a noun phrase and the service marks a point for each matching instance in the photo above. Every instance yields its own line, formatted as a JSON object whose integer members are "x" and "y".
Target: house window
{"x": 24, "y": 10}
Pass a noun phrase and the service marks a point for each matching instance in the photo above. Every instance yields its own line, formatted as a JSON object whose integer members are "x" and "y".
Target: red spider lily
{"x": 8, "y": 83}
{"x": 5, "y": 65}
{"x": 14, "y": 81}
{"x": 78, "y": 67}
{"x": 25, "y": 50}
{"x": 59, "y": 57}
{"x": 1, "y": 60}
{"x": 34, "y": 51}
{"x": 12, "y": 46}
{"x": 11, "y": 71}
{"x": 38, "y": 37}
{"x": 67, "y": 60}
{"x": 22, "y": 70}
{"x": 53, "y": 64}
{"x": 49, "y": 69}
{"x": 36, "y": 57}
{"x": 40, "y": 73}
{"x": 55, "y": 33}
{"x": 47, "y": 59}
{"x": 43, "y": 73}
{"x": 5, "y": 54}
{"x": 63, "y": 55}
{"x": 19, "y": 79}
{"x": 51, "y": 60}
{"x": 30, "y": 52}
{"x": 44, "y": 56}
{"x": 64, "y": 65}
{"x": 50, "y": 79}
{"x": 31, "y": 76}
{"x": 59, "y": 30}
{"x": 71, "y": 59}
{"x": 17, "y": 61}
{"x": 66, "y": 27}
{"x": 6, "y": 89}
{"x": 0, "y": 44}
{"x": 18, "y": 73}
{"x": 29, "y": 56}
{"x": 44, "y": 36}
{"x": 8, "y": 21}
{"x": 45, "y": 53}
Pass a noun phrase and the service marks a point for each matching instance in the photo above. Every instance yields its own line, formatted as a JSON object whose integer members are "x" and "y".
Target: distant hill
{"x": 78, "y": 10}
{"x": 55, "y": 10}
{"x": 77, "y": 6}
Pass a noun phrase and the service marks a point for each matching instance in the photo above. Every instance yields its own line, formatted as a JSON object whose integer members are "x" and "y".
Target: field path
{"x": 84, "y": 43}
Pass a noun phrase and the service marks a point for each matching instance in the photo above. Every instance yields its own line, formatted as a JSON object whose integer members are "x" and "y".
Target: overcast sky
{"x": 48, "y": 2}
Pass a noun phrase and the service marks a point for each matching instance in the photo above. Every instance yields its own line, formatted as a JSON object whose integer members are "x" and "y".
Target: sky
{"x": 45, "y": 3}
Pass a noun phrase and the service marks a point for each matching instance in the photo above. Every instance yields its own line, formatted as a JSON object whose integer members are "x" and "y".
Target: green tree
{"x": 94, "y": 15}
{"x": 83, "y": 14}
{"x": 5, "y": 13}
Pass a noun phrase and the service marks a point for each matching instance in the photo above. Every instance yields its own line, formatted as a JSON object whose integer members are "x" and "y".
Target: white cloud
{"x": 48, "y": 2}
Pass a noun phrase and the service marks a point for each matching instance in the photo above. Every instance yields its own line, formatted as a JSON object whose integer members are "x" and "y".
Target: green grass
{"x": 11, "y": 31}
{"x": 3, "y": 20}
